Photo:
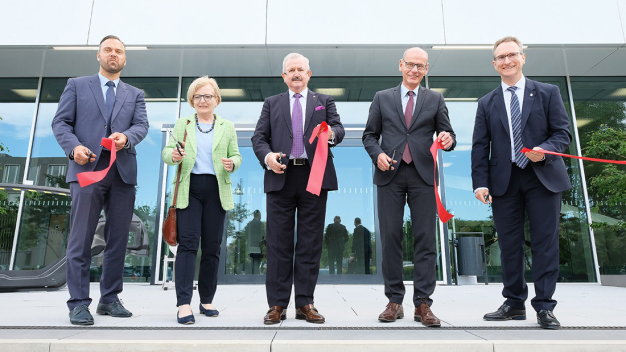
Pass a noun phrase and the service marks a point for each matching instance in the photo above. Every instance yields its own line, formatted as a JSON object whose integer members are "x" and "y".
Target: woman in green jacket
{"x": 209, "y": 155}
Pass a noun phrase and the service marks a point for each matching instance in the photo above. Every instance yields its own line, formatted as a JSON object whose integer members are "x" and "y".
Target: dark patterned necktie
{"x": 297, "y": 146}
{"x": 408, "y": 114}
{"x": 110, "y": 102}
{"x": 516, "y": 125}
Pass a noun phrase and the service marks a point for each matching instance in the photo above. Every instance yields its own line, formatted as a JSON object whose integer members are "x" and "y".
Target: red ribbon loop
{"x": 319, "y": 161}
{"x": 89, "y": 177}
{"x": 621, "y": 162}
{"x": 444, "y": 216}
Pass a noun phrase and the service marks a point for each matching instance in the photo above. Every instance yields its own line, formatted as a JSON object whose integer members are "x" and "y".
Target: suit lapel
{"x": 311, "y": 101}
{"x": 498, "y": 101}
{"x": 218, "y": 132}
{"x": 529, "y": 98}
{"x": 94, "y": 83}
{"x": 420, "y": 102}
{"x": 120, "y": 96}
{"x": 284, "y": 106}
{"x": 397, "y": 97}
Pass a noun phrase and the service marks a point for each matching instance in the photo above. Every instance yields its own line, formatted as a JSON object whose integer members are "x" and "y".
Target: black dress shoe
{"x": 547, "y": 320}
{"x": 505, "y": 312}
{"x": 80, "y": 316}
{"x": 114, "y": 309}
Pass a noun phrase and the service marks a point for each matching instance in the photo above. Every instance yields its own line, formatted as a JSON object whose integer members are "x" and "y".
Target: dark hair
{"x": 110, "y": 36}
{"x": 357, "y": 220}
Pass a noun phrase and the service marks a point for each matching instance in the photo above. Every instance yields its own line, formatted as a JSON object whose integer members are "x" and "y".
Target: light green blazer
{"x": 224, "y": 146}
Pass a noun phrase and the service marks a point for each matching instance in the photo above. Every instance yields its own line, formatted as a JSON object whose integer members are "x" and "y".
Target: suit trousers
{"x": 201, "y": 224}
{"x": 283, "y": 267}
{"x": 118, "y": 200}
{"x": 526, "y": 195}
{"x": 408, "y": 187}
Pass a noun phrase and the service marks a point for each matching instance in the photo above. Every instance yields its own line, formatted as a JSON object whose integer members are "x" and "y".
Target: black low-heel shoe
{"x": 186, "y": 320}
{"x": 209, "y": 312}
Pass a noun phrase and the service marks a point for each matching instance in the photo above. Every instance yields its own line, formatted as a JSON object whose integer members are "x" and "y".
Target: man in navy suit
{"x": 281, "y": 143}
{"x": 90, "y": 109}
{"x": 522, "y": 113}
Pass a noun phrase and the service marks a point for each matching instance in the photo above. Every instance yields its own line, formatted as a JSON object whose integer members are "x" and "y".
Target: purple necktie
{"x": 408, "y": 114}
{"x": 297, "y": 146}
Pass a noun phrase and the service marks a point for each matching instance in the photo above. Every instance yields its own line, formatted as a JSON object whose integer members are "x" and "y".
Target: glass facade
{"x": 599, "y": 106}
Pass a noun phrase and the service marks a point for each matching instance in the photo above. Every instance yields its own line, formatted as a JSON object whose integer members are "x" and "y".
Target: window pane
{"x": 17, "y": 106}
{"x": 600, "y": 104}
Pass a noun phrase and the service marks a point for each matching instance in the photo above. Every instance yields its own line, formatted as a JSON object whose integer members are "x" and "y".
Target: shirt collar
{"x": 404, "y": 90}
{"x": 304, "y": 93}
{"x": 521, "y": 84}
{"x": 104, "y": 80}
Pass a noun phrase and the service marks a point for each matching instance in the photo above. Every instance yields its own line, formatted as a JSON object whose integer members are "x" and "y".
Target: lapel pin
{"x": 531, "y": 94}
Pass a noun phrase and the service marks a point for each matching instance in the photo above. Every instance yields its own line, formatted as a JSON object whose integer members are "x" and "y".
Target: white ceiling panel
{"x": 331, "y": 22}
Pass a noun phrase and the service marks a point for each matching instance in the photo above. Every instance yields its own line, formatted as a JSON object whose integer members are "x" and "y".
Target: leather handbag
{"x": 170, "y": 235}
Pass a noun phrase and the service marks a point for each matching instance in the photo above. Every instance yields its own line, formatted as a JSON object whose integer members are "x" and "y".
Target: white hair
{"x": 296, "y": 56}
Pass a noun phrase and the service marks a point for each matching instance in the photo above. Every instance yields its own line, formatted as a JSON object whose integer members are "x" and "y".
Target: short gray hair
{"x": 296, "y": 56}
{"x": 505, "y": 40}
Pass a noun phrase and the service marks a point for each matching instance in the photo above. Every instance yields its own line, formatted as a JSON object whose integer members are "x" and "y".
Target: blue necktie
{"x": 516, "y": 124}
{"x": 297, "y": 145}
{"x": 109, "y": 103}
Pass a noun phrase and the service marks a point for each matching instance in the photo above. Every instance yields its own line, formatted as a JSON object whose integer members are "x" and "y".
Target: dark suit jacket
{"x": 386, "y": 120}
{"x": 361, "y": 241}
{"x": 81, "y": 119}
{"x": 545, "y": 124}
{"x": 273, "y": 133}
{"x": 336, "y": 235}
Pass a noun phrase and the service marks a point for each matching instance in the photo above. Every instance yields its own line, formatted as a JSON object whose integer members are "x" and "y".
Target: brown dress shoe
{"x": 275, "y": 315}
{"x": 310, "y": 314}
{"x": 392, "y": 312}
{"x": 426, "y": 316}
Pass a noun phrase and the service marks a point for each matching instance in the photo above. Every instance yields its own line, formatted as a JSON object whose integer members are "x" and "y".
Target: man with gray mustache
{"x": 281, "y": 143}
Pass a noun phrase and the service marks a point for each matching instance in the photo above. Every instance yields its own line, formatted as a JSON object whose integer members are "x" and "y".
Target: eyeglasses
{"x": 206, "y": 97}
{"x": 511, "y": 56}
{"x": 411, "y": 65}
{"x": 291, "y": 71}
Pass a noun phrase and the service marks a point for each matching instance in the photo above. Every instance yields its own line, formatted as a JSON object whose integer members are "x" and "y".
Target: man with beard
{"x": 92, "y": 108}
{"x": 281, "y": 143}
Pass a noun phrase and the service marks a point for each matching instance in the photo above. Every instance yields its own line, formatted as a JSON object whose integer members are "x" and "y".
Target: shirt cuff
{"x": 266, "y": 165}
{"x": 479, "y": 188}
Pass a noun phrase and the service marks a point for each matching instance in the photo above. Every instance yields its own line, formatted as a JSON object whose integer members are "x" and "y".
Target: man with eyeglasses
{"x": 522, "y": 113}
{"x": 281, "y": 143}
{"x": 92, "y": 108}
{"x": 407, "y": 117}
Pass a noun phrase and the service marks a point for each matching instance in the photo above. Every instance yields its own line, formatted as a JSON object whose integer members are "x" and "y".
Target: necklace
{"x": 200, "y": 129}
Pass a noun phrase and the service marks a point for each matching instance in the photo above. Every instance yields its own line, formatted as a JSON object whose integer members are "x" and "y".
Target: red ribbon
{"x": 526, "y": 150}
{"x": 89, "y": 177}
{"x": 444, "y": 216}
{"x": 319, "y": 162}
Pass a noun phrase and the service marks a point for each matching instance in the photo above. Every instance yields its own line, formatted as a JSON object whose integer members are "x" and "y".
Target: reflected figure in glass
{"x": 92, "y": 108}
{"x": 336, "y": 238}
{"x": 361, "y": 249}
{"x": 255, "y": 233}
{"x": 204, "y": 146}
{"x": 522, "y": 113}
{"x": 407, "y": 117}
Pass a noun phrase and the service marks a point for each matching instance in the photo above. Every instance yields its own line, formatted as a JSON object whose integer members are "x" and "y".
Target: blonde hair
{"x": 201, "y": 82}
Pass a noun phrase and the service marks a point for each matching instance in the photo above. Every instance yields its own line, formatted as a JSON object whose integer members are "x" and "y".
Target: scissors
{"x": 178, "y": 143}
{"x": 392, "y": 156}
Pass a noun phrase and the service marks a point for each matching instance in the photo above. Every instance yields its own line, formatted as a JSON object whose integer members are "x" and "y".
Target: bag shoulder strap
{"x": 180, "y": 166}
